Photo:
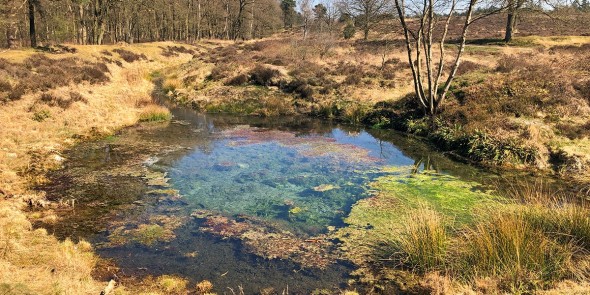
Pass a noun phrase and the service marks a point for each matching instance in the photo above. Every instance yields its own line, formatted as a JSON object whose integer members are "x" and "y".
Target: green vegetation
{"x": 522, "y": 244}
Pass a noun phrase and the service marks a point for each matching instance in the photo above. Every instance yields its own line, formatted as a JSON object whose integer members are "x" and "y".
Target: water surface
{"x": 237, "y": 201}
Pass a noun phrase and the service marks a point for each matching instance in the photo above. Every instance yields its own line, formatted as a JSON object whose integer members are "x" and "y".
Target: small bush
{"x": 129, "y": 56}
{"x": 77, "y": 97}
{"x": 5, "y": 86}
{"x": 238, "y": 80}
{"x": 353, "y": 79}
{"x": 469, "y": 66}
{"x": 221, "y": 71}
{"x": 509, "y": 63}
{"x": 265, "y": 76}
{"x": 349, "y": 31}
{"x": 40, "y": 116}
{"x": 17, "y": 93}
{"x": 170, "y": 51}
{"x": 93, "y": 74}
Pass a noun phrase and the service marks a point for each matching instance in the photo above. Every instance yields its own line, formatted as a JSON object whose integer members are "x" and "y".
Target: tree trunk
{"x": 11, "y": 32}
{"x": 32, "y": 31}
{"x": 510, "y": 21}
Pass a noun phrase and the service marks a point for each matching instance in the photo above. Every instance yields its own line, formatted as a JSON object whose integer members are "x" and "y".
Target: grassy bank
{"x": 49, "y": 101}
{"x": 450, "y": 243}
{"x": 522, "y": 106}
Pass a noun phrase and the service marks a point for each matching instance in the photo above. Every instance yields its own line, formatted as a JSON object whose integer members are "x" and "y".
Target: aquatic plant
{"x": 269, "y": 240}
{"x": 159, "y": 229}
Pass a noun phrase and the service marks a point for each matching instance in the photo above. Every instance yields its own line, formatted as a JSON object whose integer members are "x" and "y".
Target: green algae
{"x": 373, "y": 222}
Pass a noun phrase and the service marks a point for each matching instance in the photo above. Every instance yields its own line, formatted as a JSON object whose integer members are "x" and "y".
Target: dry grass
{"x": 35, "y": 129}
{"x": 537, "y": 240}
{"x": 423, "y": 240}
{"x": 155, "y": 113}
{"x": 33, "y": 262}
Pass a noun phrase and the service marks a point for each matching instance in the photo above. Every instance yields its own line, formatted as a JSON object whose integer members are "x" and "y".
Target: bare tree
{"x": 428, "y": 67}
{"x": 306, "y": 15}
{"x": 367, "y": 12}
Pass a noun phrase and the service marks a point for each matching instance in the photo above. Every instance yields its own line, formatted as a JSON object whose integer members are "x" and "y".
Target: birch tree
{"x": 420, "y": 21}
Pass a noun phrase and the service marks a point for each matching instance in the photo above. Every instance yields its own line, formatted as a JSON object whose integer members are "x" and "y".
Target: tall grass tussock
{"x": 155, "y": 113}
{"x": 528, "y": 243}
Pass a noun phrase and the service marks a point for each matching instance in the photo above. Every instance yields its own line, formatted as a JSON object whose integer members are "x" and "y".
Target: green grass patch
{"x": 155, "y": 114}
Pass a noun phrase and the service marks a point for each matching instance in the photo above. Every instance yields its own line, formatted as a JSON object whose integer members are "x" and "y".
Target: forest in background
{"x": 46, "y": 22}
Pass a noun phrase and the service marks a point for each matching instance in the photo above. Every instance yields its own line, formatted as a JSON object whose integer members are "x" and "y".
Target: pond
{"x": 242, "y": 202}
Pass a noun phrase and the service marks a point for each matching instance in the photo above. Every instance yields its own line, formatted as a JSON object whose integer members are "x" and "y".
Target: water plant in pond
{"x": 269, "y": 240}
{"x": 159, "y": 229}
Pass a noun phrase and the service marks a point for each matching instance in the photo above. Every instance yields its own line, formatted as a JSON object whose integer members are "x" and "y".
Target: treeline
{"x": 43, "y": 22}
{"x": 32, "y": 22}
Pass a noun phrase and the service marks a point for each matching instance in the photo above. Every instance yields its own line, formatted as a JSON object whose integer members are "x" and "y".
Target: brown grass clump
{"x": 423, "y": 240}
{"x": 155, "y": 113}
{"x": 506, "y": 245}
{"x": 204, "y": 287}
{"x": 33, "y": 262}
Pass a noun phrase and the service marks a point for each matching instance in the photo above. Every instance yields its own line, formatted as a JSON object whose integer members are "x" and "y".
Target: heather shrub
{"x": 129, "y": 56}
{"x": 262, "y": 75}
{"x": 238, "y": 80}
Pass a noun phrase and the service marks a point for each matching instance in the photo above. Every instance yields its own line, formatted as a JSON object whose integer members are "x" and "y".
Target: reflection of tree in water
{"x": 424, "y": 163}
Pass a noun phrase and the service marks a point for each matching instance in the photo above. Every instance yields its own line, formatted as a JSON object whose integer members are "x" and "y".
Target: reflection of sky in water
{"x": 277, "y": 179}
{"x": 379, "y": 149}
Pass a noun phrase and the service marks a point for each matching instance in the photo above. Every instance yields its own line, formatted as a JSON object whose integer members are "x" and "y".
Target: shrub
{"x": 469, "y": 66}
{"x": 5, "y": 86}
{"x": 349, "y": 31}
{"x": 509, "y": 63}
{"x": 353, "y": 79}
{"x": 40, "y": 116}
{"x": 238, "y": 80}
{"x": 175, "y": 50}
{"x": 17, "y": 93}
{"x": 221, "y": 71}
{"x": 93, "y": 74}
{"x": 77, "y": 97}
{"x": 129, "y": 56}
{"x": 265, "y": 76}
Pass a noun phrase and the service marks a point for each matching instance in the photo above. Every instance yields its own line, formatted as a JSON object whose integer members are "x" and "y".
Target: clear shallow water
{"x": 307, "y": 182}
{"x": 293, "y": 180}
